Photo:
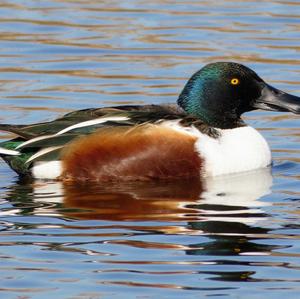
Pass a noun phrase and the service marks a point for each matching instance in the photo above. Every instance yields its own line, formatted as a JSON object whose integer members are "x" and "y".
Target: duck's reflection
{"x": 133, "y": 201}
{"x": 231, "y": 198}
{"x": 228, "y": 211}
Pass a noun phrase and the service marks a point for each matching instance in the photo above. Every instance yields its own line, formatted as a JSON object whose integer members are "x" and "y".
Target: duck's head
{"x": 220, "y": 92}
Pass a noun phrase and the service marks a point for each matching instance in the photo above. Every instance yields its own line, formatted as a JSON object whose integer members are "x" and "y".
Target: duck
{"x": 202, "y": 135}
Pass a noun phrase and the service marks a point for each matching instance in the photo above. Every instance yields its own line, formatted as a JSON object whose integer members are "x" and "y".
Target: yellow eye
{"x": 235, "y": 81}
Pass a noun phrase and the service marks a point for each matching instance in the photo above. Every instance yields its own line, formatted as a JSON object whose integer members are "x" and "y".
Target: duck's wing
{"x": 44, "y": 141}
{"x": 91, "y": 118}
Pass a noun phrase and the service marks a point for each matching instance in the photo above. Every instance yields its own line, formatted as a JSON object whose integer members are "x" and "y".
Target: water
{"x": 232, "y": 237}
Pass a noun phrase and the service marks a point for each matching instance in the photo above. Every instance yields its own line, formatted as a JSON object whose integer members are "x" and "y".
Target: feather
{"x": 4, "y": 151}
{"x": 47, "y": 141}
{"x": 41, "y": 153}
{"x": 92, "y": 122}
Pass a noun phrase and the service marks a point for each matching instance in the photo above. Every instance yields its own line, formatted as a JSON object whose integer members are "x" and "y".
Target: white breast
{"x": 237, "y": 150}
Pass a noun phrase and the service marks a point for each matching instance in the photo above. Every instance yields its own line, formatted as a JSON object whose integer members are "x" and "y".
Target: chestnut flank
{"x": 145, "y": 152}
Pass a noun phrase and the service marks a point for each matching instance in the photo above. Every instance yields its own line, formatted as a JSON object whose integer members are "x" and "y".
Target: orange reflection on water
{"x": 132, "y": 202}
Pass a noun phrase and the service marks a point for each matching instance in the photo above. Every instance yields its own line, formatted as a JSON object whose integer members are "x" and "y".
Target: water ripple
{"x": 235, "y": 236}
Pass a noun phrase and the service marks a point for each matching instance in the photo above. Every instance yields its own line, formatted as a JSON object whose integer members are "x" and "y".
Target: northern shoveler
{"x": 203, "y": 135}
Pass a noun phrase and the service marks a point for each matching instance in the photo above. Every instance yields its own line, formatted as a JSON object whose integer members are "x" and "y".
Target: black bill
{"x": 276, "y": 100}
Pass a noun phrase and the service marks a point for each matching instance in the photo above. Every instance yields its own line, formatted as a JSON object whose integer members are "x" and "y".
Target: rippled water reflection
{"x": 235, "y": 236}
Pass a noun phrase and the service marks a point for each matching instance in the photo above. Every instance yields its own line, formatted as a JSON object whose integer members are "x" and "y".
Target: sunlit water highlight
{"x": 236, "y": 236}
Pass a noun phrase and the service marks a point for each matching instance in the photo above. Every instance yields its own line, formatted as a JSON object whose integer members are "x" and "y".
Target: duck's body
{"x": 161, "y": 150}
{"x": 203, "y": 136}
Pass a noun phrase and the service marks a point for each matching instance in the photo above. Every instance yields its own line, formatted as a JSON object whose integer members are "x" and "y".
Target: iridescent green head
{"x": 220, "y": 92}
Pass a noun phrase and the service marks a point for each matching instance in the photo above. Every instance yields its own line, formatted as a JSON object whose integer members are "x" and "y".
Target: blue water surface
{"x": 235, "y": 236}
